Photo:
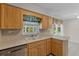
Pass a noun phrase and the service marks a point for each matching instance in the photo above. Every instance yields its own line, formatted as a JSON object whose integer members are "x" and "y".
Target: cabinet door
{"x": 33, "y": 51}
{"x": 12, "y": 17}
{"x": 37, "y": 48}
{"x": 60, "y": 51}
{"x": 57, "y": 50}
{"x": 0, "y": 15}
{"x": 57, "y": 47}
{"x": 48, "y": 43}
{"x": 54, "y": 49}
{"x": 45, "y": 22}
{"x": 42, "y": 48}
{"x": 27, "y": 12}
{"x": 50, "y": 22}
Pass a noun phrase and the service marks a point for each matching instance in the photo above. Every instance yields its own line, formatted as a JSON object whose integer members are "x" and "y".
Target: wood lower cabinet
{"x": 10, "y": 17}
{"x": 33, "y": 51}
{"x": 37, "y": 48}
{"x": 42, "y": 48}
{"x": 59, "y": 47}
{"x": 57, "y": 50}
{"x": 48, "y": 46}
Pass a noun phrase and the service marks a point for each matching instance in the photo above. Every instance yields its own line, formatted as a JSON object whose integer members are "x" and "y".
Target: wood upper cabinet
{"x": 11, "y": 17}
{"x": 50, "y": 22}
{"x": 37, "y": 48}
{"x": 0, "y": 15}
{"x": 31, "y": 13}
{"x": 47, "y": 22}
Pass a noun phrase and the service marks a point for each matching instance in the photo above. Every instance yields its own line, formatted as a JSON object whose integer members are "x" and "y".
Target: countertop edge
{"x": 27, "y": 41}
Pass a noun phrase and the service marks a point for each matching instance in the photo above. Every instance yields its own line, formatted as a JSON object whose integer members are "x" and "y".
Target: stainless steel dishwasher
{"x": 15, "y": 51}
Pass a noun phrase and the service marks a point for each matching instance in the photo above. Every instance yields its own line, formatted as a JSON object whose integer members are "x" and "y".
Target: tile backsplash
{"x": 11, "y": 35}
{"x": 10, "y": 32}
{"x": 17, "y": 34}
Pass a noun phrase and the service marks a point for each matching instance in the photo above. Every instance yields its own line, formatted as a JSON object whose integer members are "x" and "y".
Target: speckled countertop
{"x": 12, "y": 43}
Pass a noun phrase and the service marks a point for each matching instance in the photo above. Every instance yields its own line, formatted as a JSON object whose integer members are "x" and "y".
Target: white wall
{"x": 71, "y": 29}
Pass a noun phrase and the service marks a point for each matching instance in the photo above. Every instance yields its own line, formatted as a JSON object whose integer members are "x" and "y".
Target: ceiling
{"x": 60, "y": 10}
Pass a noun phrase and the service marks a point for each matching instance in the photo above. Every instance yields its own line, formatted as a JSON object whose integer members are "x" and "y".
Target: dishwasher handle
{"x": 14, "y": 50}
